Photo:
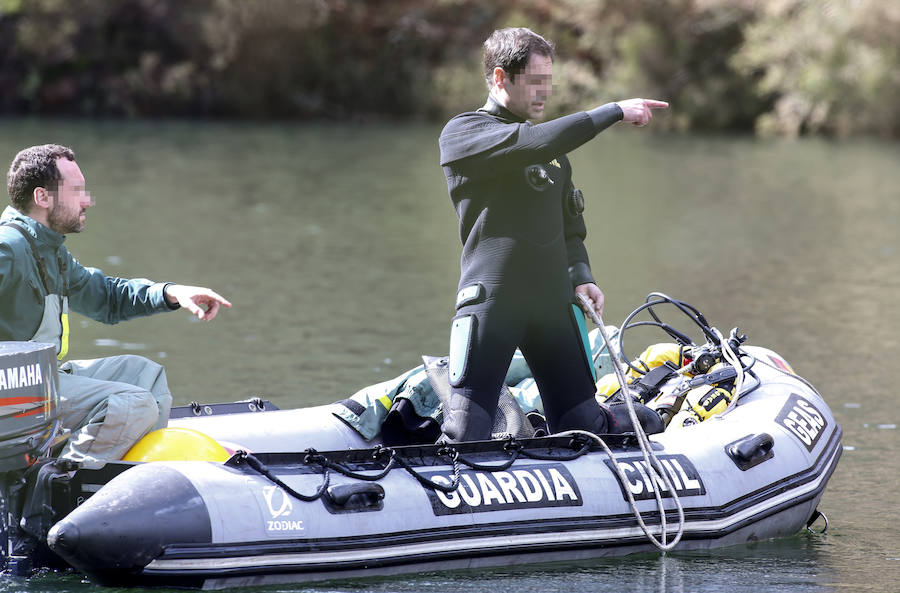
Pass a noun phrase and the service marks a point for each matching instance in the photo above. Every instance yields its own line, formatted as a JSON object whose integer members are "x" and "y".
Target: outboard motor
{"x": 29, "y": 407}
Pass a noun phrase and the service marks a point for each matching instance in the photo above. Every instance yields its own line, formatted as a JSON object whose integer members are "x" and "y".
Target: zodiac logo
{"x": 277, "y": 510}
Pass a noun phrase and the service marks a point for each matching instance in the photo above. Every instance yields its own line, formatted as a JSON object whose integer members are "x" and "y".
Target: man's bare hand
{"x": 202, "y": 302}
{"x": 594, "y": 294}
{"x": 640, "y": 111}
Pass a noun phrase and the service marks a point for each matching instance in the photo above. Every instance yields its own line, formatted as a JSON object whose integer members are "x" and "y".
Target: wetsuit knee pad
{"x": 462, "y": 331}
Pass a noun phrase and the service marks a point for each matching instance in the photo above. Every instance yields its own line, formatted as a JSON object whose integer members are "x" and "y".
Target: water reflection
{"x": 338, "y": 247}
{"x": 788, "y": 566}
{"x": 793, "y": 565}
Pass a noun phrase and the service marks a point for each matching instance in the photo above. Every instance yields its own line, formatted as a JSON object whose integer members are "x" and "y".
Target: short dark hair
{"x": 510, "y": 49}
{"x": 34, "y": 167}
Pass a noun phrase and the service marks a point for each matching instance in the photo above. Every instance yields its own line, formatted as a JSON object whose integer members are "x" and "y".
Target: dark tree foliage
{"x": 774, "y": 66}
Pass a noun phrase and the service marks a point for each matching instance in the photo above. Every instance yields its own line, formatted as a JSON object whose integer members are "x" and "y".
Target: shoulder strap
{"x": 42, "y": 267}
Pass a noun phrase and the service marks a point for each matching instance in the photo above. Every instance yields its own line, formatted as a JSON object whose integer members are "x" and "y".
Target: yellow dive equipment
{"x": 652, "y": 357}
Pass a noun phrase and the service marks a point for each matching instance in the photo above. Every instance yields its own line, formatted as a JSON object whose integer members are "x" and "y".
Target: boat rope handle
{"x": 649, "y": 456}
{"x": 518, "y": 450}
{"x": 511, "y": 445}
{"x": 314, "y": 457}
{"x": 454, "y": 483}
{"x": 585, "y": 447}
{"x": 259, "y": 467}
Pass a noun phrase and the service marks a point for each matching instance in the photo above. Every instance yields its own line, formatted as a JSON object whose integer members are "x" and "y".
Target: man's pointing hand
{"x": 639, "y": 111}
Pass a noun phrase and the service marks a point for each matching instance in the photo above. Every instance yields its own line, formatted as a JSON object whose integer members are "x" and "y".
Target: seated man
{"x": 107, "y": 403}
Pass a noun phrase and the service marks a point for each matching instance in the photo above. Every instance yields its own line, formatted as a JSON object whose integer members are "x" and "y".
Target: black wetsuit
{"x": 522, "y": 231}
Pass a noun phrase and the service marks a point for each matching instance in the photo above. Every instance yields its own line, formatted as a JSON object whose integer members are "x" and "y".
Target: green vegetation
{"x": 771, "y": 66}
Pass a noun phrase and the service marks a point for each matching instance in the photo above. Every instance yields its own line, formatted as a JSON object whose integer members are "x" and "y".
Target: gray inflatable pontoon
{"x": 309, "y": 499}
{"x": 755, "y": 472}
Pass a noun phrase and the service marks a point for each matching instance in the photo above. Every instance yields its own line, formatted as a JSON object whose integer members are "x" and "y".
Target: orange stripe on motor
{"x": 11, "y": 401}
{"x": 14, "y": 401}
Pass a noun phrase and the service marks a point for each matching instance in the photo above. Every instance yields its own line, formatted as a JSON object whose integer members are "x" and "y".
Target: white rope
{"x": 732, "y": 358}
{"x": 652, "y": 463}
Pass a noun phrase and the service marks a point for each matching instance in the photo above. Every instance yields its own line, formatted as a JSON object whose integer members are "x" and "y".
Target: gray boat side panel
{"x": 536, "y": 510}
{"x": 279, "y": 430}
{"x": 283, "y": 518}
{"x": 705, "y": 443}
{"x": 488, "y": 539}
{"x": 277, "y": 516}
{"x": 482, "y": 550}
{"x": 443, "y": 557}
{"x": 228, "y": 497}
{"x": 408, "y": 506}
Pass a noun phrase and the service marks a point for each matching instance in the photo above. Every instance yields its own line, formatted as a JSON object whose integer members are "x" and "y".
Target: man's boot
{"x": 465, "y": 420}
{"x": 604, "y": 419}
{"x": 620, "y": 421}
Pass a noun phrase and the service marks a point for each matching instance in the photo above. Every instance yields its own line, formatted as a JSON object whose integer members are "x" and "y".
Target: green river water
{"x": 337, "y": 245}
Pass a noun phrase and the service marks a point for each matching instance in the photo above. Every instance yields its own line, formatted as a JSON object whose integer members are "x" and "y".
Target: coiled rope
{"x": 649, "y": 456}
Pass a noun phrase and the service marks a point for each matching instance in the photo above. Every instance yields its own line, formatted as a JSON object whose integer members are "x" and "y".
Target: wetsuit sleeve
{"x": 109, "y": 299}
{"x": 605, "y": 116}
{"x": 575, "y": 231}
{"x": 491, "y": 141}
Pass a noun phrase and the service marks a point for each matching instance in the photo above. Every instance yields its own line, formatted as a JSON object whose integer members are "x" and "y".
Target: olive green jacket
{"x": 90, "y": 292}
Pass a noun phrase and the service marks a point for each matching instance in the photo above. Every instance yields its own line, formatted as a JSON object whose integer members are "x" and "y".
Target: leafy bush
{"x": 774, "y": 66}
{"x": 831, "y": 67}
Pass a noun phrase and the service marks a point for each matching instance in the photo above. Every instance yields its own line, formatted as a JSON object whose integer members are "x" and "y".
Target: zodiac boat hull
{"x": 755, "y": 472}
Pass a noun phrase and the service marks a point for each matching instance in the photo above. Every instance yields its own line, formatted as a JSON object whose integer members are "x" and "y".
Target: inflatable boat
{"x": 253, "y": 495}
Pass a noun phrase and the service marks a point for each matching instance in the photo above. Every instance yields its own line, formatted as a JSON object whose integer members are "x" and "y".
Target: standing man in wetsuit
{"x": 523, "y": 258}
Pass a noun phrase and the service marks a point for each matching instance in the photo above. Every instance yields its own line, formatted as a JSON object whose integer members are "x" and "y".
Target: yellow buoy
{"x": 177, "y": 444}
